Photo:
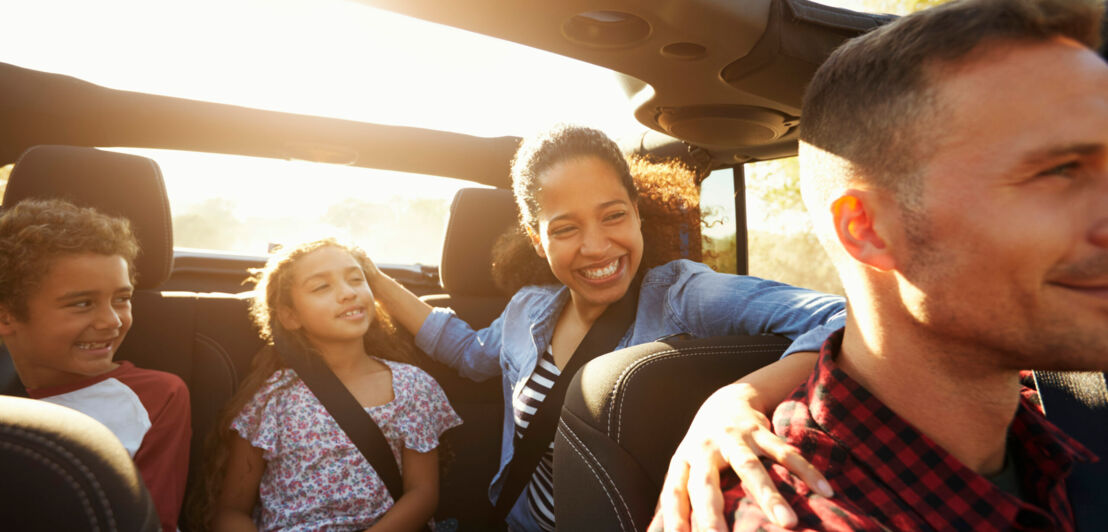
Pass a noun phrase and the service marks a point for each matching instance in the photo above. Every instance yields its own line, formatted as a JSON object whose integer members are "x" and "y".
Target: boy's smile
{"x": 76, "y": 319}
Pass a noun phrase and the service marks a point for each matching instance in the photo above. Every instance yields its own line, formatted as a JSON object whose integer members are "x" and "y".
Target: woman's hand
{"x": 731, "y": 429}
{"x": 372, "y": 273}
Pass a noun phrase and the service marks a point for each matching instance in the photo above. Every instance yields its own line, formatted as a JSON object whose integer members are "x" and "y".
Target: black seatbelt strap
{"x": 1077, "y": 402}
{"x": 347, "y": 412}
{"x": 603, "y": 337}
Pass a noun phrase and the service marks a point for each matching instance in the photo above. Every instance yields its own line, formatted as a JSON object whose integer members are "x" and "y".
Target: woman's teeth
{"x": 602, "y": 272}
{"x": 351, "y": 313}
{"x": 93, "y": 345}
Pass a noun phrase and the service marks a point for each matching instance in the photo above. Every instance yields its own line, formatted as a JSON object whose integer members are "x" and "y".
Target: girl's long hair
{"x": 273, "y": 289}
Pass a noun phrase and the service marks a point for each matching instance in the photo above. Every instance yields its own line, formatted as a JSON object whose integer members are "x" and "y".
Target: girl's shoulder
{"x": 410, "y": 377}
{"x": 280, "y": 384}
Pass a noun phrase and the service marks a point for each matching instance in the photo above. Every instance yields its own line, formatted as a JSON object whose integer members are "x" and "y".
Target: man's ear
{"x": 288, "y": 318}
{"x": 536, "y": 241}
{"x": 855, "y": 215}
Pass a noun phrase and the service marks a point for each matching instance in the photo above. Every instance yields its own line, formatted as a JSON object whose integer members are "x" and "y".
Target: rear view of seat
{"x": 625, "y": 413}
{"x": 65, "y": 471}
{"x": 477, "y": 217}
{"x": 206, "y": 339}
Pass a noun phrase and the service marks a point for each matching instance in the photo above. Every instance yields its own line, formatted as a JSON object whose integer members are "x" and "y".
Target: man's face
{"x": 76, "y": 319}
{"x": 1010, "y": 248}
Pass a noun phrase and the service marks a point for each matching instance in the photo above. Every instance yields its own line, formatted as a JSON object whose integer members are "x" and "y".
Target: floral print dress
{"x": 315, "y": 478}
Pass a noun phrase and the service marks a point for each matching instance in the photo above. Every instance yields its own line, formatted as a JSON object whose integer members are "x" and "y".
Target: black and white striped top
{"x": 540, "y": 491}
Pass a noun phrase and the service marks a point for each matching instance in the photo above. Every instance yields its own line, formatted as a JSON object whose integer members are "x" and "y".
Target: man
{"x": 955, "y": 163}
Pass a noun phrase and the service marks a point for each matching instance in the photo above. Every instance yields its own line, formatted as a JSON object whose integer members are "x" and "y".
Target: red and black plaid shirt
{"x": 889, "y": 476}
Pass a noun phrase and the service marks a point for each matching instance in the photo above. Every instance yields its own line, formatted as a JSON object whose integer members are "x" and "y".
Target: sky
{"x": 334, "y": 58}
{"x": 322, "y": 57}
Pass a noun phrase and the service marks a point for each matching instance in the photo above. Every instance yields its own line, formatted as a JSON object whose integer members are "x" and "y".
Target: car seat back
{"x": 477, "y": 218}
{"x": 65, "y": 471}
{"x": 624, "y": 415}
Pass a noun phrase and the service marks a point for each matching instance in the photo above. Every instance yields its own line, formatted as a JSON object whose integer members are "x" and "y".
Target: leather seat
{"x": 624, "y": 415}
{"x": 65, "y": 471}
{"x": 477, "y": 217}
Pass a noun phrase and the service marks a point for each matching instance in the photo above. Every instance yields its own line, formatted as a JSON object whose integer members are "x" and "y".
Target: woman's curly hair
{"x": 35, "y": 232}
{"x": 273, "y": 290}
{"x": 665, "y": 192}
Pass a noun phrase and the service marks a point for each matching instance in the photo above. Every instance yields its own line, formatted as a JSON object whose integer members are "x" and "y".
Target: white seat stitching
{"x": 572, "y": 437}
{"x": 628, "y": 372}
{"x": 54, "y": 465}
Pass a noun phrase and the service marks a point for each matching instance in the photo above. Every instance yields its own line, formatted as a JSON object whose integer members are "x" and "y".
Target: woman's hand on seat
{"x": 731, "y": 429}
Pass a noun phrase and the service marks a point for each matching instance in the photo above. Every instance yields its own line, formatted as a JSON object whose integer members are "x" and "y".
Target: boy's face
{"x": 75, "y": 321}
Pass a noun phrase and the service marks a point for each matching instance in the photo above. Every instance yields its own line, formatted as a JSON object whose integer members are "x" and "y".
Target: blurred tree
{"x": 210, "y": 225}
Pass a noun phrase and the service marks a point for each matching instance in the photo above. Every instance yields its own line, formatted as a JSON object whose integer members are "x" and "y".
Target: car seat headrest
{"x": 65, "y": 471}
{"x": 117, "y": 184}
{"x": 477, "y": 217}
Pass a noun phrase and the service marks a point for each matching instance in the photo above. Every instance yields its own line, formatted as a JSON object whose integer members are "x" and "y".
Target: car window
{"x": 782, "y": 245}
{"x": 717, "y": 214}
{"x": 246, "y": 204}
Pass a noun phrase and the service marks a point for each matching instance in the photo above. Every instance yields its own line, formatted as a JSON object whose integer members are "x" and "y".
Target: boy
{"x": 66, "y": 277}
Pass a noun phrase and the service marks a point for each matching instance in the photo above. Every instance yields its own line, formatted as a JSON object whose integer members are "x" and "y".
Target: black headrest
{"x": 65, "y": 471}
{"x": 113, "y": 183}
{"x": 477, "y": 217}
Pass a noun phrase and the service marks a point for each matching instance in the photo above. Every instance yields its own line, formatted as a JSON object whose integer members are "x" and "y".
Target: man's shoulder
{"x": 814, "y": 511}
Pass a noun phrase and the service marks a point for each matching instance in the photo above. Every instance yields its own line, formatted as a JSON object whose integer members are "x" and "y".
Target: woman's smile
{"x": 604, "y": 272}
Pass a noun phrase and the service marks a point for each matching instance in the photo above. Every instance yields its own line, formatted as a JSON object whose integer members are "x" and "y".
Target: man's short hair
{"x": 873, "y": 101}
{"x": 34, "y": 233}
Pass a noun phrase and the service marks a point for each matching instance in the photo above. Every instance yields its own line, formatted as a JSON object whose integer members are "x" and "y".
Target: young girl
{"x": 288, "y": 464}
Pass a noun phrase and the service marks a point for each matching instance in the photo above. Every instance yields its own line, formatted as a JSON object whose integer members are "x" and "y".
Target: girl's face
{"x": 589, "y": 230}
{"x": 331, "y": 301}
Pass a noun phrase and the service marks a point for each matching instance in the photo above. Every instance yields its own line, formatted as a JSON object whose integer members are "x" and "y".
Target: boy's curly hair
{"x": 34, "y": 233}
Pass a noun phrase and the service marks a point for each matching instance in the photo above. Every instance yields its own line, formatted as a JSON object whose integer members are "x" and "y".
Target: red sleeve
{"x": 163, "y": 457}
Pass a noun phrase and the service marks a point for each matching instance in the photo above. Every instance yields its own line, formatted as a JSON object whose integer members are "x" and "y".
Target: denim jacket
{"x": 679, "y": 297}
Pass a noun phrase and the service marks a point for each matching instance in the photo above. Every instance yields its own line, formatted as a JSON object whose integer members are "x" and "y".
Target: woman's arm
{"x": 705, "y": 303}
{"x": 235, "y": 506}
{"x": 732, "y": 428}
{"x": 440, "y": 334}
{"x": 421, "y": 493}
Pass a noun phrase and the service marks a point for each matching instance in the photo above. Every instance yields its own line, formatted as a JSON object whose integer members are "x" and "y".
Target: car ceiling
{"x": 718, "y": 82}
